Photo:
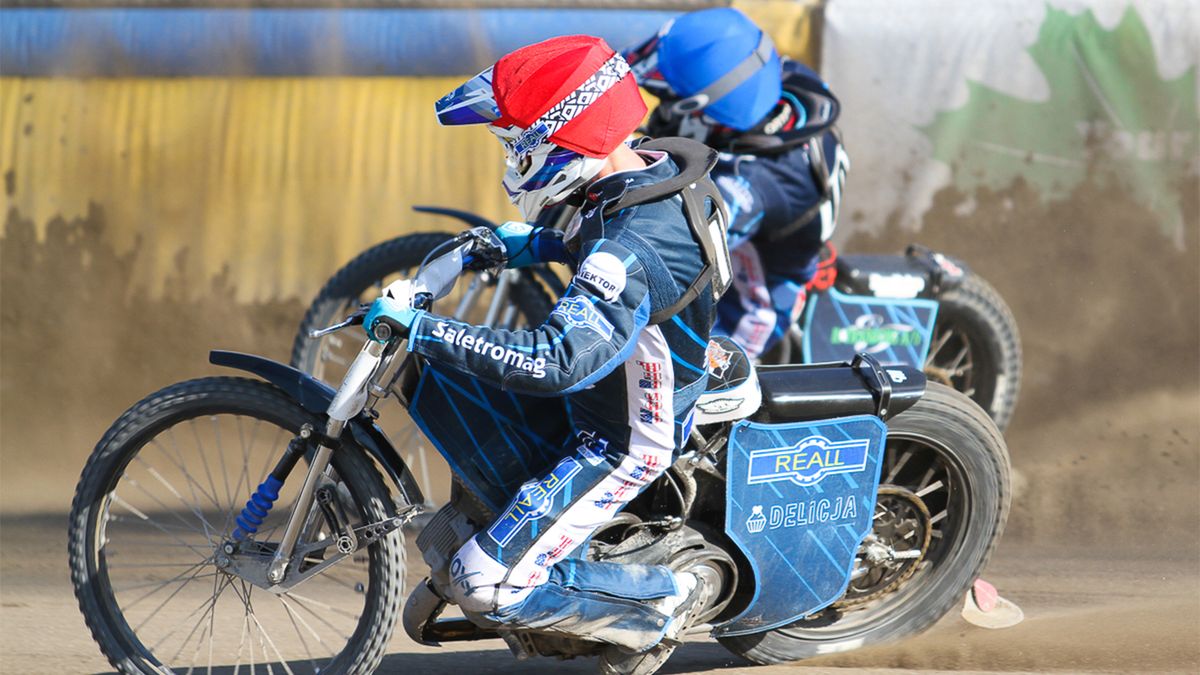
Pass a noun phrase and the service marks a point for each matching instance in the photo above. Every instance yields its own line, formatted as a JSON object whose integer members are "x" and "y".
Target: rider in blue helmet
{"x": 720, "y": 81}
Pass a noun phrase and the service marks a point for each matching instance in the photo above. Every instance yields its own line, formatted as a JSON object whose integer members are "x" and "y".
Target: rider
{"x": 720, "y": 81}
{"x": 625, "y": 344}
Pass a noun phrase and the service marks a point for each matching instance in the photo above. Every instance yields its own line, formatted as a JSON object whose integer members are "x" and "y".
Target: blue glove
{"x": 398, "y": 311}
{"x": 519, "y": 243}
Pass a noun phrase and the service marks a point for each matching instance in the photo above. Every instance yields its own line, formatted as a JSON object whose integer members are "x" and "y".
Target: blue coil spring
{"x": 257, "y": 508}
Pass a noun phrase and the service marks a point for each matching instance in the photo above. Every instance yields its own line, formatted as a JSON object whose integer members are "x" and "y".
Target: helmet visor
{"x": 473, "y": 102}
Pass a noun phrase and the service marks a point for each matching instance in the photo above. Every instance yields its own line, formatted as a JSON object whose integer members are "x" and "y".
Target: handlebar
{"x": 477, "y": 248}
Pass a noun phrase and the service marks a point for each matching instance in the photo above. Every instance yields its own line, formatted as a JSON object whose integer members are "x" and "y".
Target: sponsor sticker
{"x": 895, "y": 285}
{"x": 802, "y": 513}
{"x": 592, "y": 447}
{"x": 579, "y": 312}
{"x": 808, "y": 461}
{"x": 718, "y": 358}
{"x": 604, "y": 274}
{"x": 459, "y": 337}
{"x": 737, "y": 192}
{"x": 533, "y": 501}
{"x": 871, "y": 334}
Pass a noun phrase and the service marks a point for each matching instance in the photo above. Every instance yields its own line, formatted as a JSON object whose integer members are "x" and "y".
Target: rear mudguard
{"x": 314, "y": 396}
{"x": 919, "y": 273}
{"x": 801, "y": 482}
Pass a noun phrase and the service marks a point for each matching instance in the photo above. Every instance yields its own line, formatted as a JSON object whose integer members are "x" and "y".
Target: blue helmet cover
{"x": 699, "y": 47}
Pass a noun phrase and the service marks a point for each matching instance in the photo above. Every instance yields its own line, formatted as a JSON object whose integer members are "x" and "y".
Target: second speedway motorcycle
{"x": 243, "y": 521}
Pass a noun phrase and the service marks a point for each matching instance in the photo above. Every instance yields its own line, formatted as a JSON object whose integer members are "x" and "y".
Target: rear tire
{"x": 975, "y": 326}
{"x": 147, "y": 502}
{"x": 974, "y": 500}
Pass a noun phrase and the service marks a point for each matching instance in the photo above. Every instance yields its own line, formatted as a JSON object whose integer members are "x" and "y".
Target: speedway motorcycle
{"x": 239, "y": 521}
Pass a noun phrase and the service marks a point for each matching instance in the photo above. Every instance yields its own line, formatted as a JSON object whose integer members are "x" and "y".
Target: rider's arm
{"x": 529, "y": 245}
{"x": 591, "y": 330}
{"x": 745, "y": 204}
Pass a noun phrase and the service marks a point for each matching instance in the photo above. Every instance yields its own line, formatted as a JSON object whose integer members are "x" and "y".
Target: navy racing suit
{"x": 782, "y": 208}
{"x": 629, "y": 388}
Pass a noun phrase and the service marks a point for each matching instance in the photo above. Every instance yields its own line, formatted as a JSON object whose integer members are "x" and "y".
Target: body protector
{"x": 703, "y": 206}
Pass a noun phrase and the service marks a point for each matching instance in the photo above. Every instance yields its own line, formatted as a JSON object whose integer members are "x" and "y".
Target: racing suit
{"x": 782, "y": 209}
{"x": 629, "y": 388}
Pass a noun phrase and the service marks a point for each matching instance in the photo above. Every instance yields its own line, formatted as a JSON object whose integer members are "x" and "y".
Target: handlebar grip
{"x": 422, "y": 300}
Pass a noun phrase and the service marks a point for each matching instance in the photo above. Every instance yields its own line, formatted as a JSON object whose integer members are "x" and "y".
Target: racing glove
{"x": 394, "y": 308}
{"x": 526, "y": 245}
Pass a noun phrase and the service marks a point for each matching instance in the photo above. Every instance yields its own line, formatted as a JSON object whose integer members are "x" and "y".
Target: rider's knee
{"x": 477, "y": 581}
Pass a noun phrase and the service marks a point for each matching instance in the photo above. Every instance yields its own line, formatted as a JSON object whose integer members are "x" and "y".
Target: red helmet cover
{"x": 531, "y": 80}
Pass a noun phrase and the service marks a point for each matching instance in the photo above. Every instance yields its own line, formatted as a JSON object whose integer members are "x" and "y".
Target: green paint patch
{"x": 1109, "y": 113}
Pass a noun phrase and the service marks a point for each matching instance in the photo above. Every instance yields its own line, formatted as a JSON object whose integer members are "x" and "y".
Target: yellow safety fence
{"x": 279, "y": 180}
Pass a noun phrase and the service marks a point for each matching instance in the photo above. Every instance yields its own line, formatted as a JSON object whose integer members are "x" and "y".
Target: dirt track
{"x": 1130, "y": 601}
{"x": 1082, "y": 615}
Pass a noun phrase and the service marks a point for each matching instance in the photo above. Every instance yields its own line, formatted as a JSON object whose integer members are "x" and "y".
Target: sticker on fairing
{"x": 799, "y": 503}
{"x": 533, "y": 501}
{"x": 807, "y": 462}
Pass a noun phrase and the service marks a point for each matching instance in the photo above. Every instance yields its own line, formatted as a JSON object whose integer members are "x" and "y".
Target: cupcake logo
{"x": 757, "y": 521}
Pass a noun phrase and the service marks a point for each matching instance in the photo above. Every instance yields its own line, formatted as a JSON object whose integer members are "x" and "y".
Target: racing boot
{"x": 682, "y": 607}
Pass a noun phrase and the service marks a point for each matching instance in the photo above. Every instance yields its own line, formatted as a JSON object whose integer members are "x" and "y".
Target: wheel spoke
{"x": 939, "y": 342}
{"x": 165, "y": 601}
{"x": 936, "y": 485}
{"x": 891, "y": 477}
{"x": 116, "y": 499}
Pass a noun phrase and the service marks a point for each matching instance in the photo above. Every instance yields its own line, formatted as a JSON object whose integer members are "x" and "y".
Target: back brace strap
{"x": 703, "y": 207}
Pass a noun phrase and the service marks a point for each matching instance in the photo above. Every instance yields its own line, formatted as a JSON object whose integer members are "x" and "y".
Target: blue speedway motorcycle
{"x": 259, "y": 522}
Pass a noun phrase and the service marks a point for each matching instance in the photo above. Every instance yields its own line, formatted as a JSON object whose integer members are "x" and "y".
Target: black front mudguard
{"x": 314, "y": 396}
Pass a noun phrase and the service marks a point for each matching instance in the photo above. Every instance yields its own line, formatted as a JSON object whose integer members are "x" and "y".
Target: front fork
{"x": 359, "y": 391}
{"x": 287, "y": 545}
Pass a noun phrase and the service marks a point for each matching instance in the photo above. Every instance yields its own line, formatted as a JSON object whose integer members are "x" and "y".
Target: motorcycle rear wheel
{"x": 946, "y": 450}
{"x": 157, "y": 501}
{"x": 976, "y": 348}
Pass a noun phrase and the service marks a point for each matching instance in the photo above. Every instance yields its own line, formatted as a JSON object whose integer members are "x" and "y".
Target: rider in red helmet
{"x": 625, "y": 344}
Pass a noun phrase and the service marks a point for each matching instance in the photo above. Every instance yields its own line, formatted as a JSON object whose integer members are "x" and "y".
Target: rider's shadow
{"x": 692, "y": 657}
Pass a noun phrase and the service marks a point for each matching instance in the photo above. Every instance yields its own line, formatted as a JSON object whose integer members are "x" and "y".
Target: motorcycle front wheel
{"x": 942, "y": 504}
{"x": 156, "y": 504}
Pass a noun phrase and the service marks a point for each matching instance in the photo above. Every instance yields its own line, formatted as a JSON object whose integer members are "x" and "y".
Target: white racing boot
{"x": 682, "y": 607}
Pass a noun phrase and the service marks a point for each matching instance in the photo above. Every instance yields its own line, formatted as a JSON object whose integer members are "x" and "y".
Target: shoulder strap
{"x": 703, "y": 207}
{"x": 694, "y": 160}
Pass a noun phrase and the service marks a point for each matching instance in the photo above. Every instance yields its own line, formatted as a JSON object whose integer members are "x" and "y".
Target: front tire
{"x": 154, "y": 506}
{"x": 946, "y": 450}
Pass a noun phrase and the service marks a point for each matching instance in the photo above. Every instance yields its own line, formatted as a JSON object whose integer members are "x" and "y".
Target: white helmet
{"x": 544, "y": 176}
